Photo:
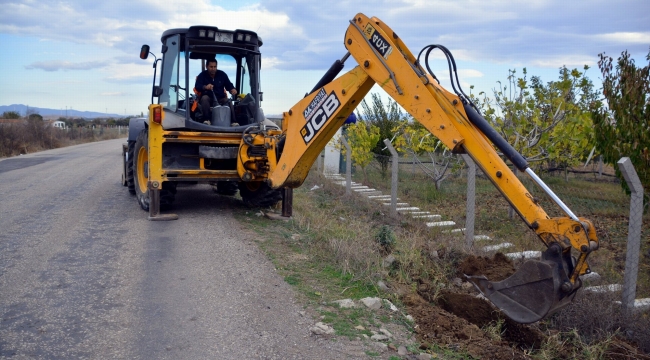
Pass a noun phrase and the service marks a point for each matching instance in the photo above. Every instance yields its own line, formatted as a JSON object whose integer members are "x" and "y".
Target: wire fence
{"x": 439, "y": 183}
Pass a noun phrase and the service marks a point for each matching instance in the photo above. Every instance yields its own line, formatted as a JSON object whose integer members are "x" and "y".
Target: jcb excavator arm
{"x": 538, "y": 287}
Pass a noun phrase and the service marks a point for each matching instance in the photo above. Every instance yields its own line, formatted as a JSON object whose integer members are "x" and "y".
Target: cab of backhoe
{"x": 185, "y": 53}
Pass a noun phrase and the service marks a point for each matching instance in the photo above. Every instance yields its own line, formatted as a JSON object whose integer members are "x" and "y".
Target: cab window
{"x": 169, "y": 76}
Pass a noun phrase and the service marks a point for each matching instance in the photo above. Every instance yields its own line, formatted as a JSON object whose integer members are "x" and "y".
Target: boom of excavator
{"x": 268, "y": 158}
{"x": 539, "y": 287}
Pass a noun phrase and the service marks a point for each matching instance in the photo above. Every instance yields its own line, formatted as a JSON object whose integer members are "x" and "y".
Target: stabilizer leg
{"x": 154, "y": 206}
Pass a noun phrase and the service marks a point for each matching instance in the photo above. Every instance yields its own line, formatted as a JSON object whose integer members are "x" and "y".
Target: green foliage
{"x": 35, "y": 117}
{"x": 10, "y": 115}
{"x": 292, "y": 280}
{"x": 413, "y": 137}
{"x": 362, "y": 138}
{"x": 623, "y": 127}
{"x": 386, "y": 238}
{"x": 545, "y": 122}
{"x": 386, "y": 118}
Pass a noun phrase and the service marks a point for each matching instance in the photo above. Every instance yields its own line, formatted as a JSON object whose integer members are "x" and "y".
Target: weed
{"x": 386, "y": 238}
{"x": 494, "y": 329}
{"x": 292, "y": 280}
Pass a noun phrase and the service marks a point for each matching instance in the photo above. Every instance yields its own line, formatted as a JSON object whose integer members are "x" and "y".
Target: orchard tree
{"x": 545, "y": 122}
{"x": 385, "y": 118}
{"x": 622, "y": 126}
{"x": 414, "y": 139}
{"x": 362, "y": 138}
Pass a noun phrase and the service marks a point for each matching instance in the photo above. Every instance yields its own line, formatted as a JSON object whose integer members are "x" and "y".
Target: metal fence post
{"x": 348, "y": 166}
{"x": 393, "y": 183}
{"x": 471, "y": 200}
{"x": 633, "y": 233}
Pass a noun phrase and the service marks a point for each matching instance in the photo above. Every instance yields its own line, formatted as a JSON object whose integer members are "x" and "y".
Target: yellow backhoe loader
{"x": 266, "y": 161}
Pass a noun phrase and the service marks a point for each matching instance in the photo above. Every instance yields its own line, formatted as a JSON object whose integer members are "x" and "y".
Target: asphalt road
{"x": 83, "y": 274}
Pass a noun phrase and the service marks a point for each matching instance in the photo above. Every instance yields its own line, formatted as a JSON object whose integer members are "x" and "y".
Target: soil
{"x": 496, "y": 269}
{"x": 456, "y": 317}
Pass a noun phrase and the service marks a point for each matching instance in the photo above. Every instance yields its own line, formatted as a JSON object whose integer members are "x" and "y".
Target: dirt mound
{"x": 458, "y": 320}
{"x": 435, "y": 325}
{"x": 463, "y": 322}
{"x": 481, "y": 313}
{"x": 496, "y": 269}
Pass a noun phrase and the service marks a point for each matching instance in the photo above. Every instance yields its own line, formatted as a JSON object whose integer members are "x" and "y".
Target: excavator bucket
{"x": 535, "y": 290}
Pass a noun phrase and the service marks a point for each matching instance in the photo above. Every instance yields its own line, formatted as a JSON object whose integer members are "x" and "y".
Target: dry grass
{"x": 35, "y": 135}
{"x": 345, "y": 229}
{"x": 599, "y": 199}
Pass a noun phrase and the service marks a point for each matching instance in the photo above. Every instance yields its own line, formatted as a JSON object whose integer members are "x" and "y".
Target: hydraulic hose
{"x": 501, "y": 144}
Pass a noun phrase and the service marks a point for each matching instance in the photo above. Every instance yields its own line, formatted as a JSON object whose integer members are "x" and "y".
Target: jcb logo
{"x": 319, "y": 117}
{"x": 377, "y": 41}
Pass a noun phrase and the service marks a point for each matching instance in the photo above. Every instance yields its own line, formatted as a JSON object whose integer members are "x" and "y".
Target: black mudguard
{"x": 136, "y": 125}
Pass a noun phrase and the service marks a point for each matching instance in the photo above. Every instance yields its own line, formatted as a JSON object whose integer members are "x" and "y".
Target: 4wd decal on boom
{"x": 378, "y": 41}
{"x": 318, "y": 116}
{"x": 318, "y": 99}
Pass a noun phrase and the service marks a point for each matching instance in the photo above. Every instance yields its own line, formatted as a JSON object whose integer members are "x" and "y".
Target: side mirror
{"x": 144, "y": 52}
{"x": 157, "y": 91}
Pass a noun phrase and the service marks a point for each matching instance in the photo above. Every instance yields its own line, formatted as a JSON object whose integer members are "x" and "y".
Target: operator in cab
{"x": 212, "y": 81}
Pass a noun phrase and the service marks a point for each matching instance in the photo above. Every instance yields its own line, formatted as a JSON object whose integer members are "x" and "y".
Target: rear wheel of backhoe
{"x": 258, "y": 194}
{"x": 129, "y": 167}
{"x": 140, "y": 168}
{"x": 228, "y": 188}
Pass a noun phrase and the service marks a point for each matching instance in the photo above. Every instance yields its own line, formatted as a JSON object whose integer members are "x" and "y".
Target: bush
{"x": 35, "y": 135}
{"x": 386, "y": 238}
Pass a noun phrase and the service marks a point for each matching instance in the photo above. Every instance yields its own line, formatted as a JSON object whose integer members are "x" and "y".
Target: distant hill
{"x": 22, "y": 109}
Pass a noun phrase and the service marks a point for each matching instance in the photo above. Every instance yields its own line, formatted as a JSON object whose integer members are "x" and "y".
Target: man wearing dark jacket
{"x": 213, "y": 81}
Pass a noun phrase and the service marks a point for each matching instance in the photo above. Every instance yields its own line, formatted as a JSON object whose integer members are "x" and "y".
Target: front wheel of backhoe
{"x": 141, "y": 175}
{"x": 129, "y": 167}
{"x": 258, "y": 194}
{"x": 227, "y": 188}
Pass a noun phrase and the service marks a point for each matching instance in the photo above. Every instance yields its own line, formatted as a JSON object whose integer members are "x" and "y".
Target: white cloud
{"x": 65, "y": 65}
{"x": 570, "y": 61}
{"x": 115, "y": 93}
{"x": 269, "y": 63}
{"x": 123, "y": 23}
{"x": 128, "y": 72}
{"x": 469, "y": 73}
{"x": 626, "y": 37}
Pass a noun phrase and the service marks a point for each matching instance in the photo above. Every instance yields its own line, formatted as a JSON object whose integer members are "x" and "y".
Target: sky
{"x": 84, "y": 54}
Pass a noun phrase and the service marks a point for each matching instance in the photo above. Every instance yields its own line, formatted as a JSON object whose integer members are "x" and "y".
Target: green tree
{"x": 35, "y": 116}
{"x": 622, "y": 127}
{"x": 545, "y": 122}
{"x": 414, "y": 139}
{"x": 362, "y": 138}
{"x": 10, "y": 115}
{"x": 385, "y": 118}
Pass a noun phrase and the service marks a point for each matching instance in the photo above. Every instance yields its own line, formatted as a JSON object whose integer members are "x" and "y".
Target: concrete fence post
{"x": 394, "y": 178}
{"x": 633, "y": 233}
{"x": 471, "y": 200}
{"x": 319, "y": 163}
{"x": 511, "y": 210}
{"x": 348, "y": 166}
